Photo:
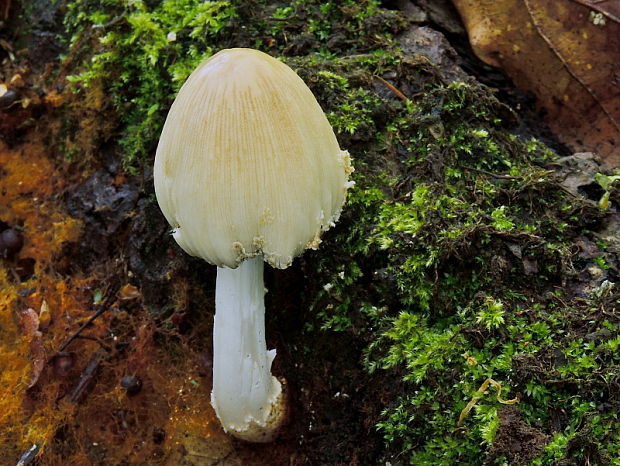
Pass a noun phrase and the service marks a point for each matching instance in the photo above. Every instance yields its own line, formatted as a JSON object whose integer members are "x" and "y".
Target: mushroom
{"x": 247, "y": 170}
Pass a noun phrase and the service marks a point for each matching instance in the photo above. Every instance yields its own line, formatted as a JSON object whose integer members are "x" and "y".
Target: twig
{"x": 84, "y": 325}
{"x": 7, "y": 8}
{"x": 87, "y": 377}
{"x": 501, "y": 177}
{"x": 95, "y": 339}
{"x": 112, "y": 22}
{"x": 391, "y": 87}
{"x": 480, "y": 393}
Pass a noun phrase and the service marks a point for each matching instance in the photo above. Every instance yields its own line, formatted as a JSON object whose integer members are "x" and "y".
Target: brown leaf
{"x": 30, "y": 322}
{"x": 37, "y": 352}
{"x": 129, "y": 292}
{"x": 30, "y": 325}
{"x": 567, "y": 52}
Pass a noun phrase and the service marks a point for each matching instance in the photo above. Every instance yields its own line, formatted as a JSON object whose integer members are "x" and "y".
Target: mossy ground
{"x": 459, "y": 258}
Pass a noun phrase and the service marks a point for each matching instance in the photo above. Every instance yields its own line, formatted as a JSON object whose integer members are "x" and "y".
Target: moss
{"x": 126, "y": 61}
{"x": 139, "y": 54}
{"x": 450, "y": 261}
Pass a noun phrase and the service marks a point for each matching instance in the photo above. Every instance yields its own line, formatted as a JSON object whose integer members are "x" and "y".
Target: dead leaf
{"x": 129, "y": 292}
{"x": 37, "y": 352}
{"x": 567, "y": 52}
{"x": 30, "y": 322}
{"x": 45, "y": 316}
{"x": 17, "y": 80}
{"x": 7, "y": 47}
{"x": 30, "y": 325}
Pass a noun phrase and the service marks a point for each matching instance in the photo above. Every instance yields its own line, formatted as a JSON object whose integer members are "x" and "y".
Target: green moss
{"x": 332, "y": 26}
{"x": 138, "y": 54}
{"x": 142, "y": 54}
{"x": 453, "y": 239}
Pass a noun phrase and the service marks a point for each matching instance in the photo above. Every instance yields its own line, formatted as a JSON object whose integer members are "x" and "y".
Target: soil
{"x": 516, "y": 440}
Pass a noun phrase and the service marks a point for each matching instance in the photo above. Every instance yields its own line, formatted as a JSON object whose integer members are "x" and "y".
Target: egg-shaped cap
{"x": 247, "y": 162}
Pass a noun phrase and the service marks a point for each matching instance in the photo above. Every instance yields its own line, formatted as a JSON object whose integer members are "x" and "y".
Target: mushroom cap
{"x": 247, "y": 162}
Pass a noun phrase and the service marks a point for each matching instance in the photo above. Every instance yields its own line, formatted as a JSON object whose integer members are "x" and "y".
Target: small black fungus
{"x": 131, "y": 384}
{"x": 11, "y": 243}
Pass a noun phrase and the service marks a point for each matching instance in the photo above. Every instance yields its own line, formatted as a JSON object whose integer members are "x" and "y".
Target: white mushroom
{"x": 247, "y": 169}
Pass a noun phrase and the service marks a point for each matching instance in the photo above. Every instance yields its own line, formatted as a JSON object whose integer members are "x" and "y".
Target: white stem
{"x": 244, "y": 391}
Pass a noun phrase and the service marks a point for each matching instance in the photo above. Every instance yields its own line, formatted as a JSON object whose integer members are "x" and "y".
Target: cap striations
{"x": 247, "y": 162}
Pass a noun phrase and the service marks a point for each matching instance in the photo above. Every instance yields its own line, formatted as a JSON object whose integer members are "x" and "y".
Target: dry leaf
{"x": 567, "y": 52}
{"x": 37, "y": 352}
{"x": 45, "y": 316}
{"x": 129, "y": 292}
{"x": 30, "y": 322}
{"x": 30, "y": 325}
{"x": 17, "y": 80}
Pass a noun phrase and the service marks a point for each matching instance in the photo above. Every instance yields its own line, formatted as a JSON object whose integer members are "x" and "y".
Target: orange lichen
{"x": 104, "y": 423}
{"x": 28, "y": 185}
{"x": 173, "y": 400}
{"x": 14, "y": 365}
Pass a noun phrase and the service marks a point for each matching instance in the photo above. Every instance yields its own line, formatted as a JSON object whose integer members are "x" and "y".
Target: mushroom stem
{"x": 247, "y": 399}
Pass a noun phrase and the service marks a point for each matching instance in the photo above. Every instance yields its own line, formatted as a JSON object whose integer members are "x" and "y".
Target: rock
{"x": 421, "y": 40}
{"x": 578, "y": 172}
{"x": 411, "y": 11}
{"x": 102, "y": 203}
{"x": 443, "y": 13}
